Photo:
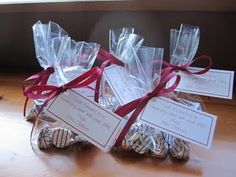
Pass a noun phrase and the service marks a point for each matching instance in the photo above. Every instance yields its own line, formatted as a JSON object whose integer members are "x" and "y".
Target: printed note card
{"x": 86, "y": 118}
{"x": 180, "y": 120}
{"x": 214, "y": 83}
{"x": 124, "y": 86}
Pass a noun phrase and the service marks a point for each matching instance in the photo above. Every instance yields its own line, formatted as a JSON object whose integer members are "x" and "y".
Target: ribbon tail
{"x": 127, "y": 108}
{"x": 131, "y": 120}
{"x": 123, "y": 111}
{"x": 97, "y": 88}
{"x": 204, "y": 70}
{"x": 98, "y": 83}
{"x": 25, "y": 105}
{"x": 139, "y": 104}
{"x": 166, "y": 71}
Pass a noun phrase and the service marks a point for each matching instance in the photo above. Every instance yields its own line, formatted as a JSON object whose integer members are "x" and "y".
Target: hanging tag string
{"x": 48, "y": 92}
{"x": 139, "y": 104}
{"x": 170, "y": 67}
{"x": 106, "y": 58}
{"x": 40, "y": 78}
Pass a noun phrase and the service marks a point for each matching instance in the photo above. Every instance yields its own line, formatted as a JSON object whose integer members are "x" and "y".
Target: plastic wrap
{"x": 142, "y": 138}
{"x": 183, "y": 44}
{"x": 183, "y": 47}
{"x": 143, "y": 65}
{"x": 44, "y": 36}
{"x": 69, "y": 59}
{"x": 123, "y": 44}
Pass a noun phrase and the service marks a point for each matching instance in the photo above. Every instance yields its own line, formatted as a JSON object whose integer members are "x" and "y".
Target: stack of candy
{"x": 146, "y": 140}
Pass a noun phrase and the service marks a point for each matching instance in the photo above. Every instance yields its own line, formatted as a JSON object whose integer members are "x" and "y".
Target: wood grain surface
{"x": 17, "y": 159}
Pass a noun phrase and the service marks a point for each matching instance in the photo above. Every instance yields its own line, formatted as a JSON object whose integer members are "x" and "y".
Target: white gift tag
{"x": 124, "y": 87}
{"x": 214, "y": 83}
{"x": 180, "y": 120}
{"x": 86, "y": 118}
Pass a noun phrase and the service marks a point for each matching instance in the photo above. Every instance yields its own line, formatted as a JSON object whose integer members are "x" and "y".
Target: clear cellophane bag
{"x": 143, "y": 65}
{"x": 69, "y": 59}
{"x": 184, "y": 43}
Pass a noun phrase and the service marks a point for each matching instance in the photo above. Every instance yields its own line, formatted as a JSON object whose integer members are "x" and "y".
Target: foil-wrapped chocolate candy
{"x": 33, "y": 112}
{"x": 179, "y": 149}
{"x": 82, "y": 141}
{"x": 58, "y": 137}
{"x": 126, "y": 144}
{"x": 159, "y": 147}
{"x": 138, "y": 138}
{"x": 61, "y": 137}
{"x": 31, "y": 115}
{"x": 140, "y": 142}
{"x": 140, "y": 127}
{"x": 45, "y": 138}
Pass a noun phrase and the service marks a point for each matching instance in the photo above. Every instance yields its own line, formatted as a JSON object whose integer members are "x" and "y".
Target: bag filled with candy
{"x": 67, "y": 60}
{"x": 184, "y": 43}
{"x": 142, "y": 72}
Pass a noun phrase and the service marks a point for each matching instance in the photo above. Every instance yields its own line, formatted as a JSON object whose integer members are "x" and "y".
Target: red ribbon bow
{"x": 40, "y": 78}
{"x": 49, "y": 92}
{"x": 106, "y": 58}
{"x": 138, "y": 105}
{"x": 170, "y": 67}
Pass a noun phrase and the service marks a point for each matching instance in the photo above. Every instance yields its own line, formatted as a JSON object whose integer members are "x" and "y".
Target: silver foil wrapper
{"x": 138, "y": 138}
{"x": 61, "y": 137}
{"x": 140, "y": 142}
{"x": 45, "y": 138}
{"x": 82, "y": 141}
{"x": 179, "y": 149}
{"x": 143, "y": 139}
{"x": 33, "y": 112}
{"x": 159, "y": 147}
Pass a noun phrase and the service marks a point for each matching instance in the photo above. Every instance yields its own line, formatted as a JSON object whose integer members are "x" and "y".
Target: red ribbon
{"x": 138, "y": 105}
{"x": 48, "y": 92}
{"x": 40, "y": 78}
{"x": 170, "y": 67}
{"x": 106, "y": 58}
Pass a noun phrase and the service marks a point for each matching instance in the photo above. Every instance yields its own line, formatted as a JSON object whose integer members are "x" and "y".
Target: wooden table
{"x": 18, "y": 159}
